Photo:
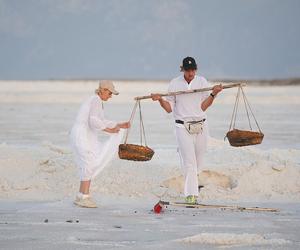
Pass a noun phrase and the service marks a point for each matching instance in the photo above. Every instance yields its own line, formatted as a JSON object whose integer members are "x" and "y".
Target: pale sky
{"x": 147, "y": 39}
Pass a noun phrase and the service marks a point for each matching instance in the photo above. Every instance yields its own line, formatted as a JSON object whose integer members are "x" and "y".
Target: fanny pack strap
{"x": 192, "y": 122}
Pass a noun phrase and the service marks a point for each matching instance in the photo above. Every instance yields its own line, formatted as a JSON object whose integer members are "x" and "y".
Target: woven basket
{"x": 134, "y": 152}
{"x": 240, "y": 138}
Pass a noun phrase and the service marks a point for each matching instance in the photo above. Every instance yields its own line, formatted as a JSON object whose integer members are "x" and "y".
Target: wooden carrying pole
{"x": 226, "y": 86}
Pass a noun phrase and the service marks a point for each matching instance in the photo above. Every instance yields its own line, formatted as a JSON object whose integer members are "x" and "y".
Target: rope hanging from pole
{"x": 239, "y": 138}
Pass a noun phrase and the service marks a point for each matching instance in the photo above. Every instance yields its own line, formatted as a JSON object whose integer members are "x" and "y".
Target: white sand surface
{"x": 38, "y": 178}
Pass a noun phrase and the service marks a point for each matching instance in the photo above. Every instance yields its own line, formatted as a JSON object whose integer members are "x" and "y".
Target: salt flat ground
{"x": 130, "y": 224}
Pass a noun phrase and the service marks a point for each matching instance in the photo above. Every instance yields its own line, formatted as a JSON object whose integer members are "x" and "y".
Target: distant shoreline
{"x": 271, "y": 82}
{"x": 254, "y": 82}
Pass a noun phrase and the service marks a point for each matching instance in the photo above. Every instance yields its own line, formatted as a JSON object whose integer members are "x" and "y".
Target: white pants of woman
{"x": 191, "y": 151}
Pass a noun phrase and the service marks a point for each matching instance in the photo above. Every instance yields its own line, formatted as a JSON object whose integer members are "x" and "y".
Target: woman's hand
{"x": 114, "y": 130}
{"x": 124, "y": 125}
{"x": 117, "y": 128}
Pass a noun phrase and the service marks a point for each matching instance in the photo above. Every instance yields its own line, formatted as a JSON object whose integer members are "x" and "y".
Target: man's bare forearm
{"x": 165, "y": 105}
{"x": 210, "y": 99}
{"x": 207, "y": 102}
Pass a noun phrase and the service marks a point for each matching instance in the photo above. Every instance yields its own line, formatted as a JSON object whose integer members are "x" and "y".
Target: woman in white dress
{"x": 92, "y": 155}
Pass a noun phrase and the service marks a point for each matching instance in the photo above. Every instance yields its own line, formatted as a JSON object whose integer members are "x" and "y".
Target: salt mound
{"x": 257, "y": 174}
{"x": 205, "y": 177}
{"x": 247, "y": 174}
{"x": 43, "y": 173}
{"x": 236, "y": 174}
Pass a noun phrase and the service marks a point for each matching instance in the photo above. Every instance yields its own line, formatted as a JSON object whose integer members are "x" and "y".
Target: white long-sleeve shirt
{"x": 91, "y": 115}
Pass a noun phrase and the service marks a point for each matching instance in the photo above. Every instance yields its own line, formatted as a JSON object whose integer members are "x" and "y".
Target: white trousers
{"x": 191, "y": 149}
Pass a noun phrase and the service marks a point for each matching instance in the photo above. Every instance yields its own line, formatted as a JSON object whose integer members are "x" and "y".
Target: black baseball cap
{"x": 189, "y": 63}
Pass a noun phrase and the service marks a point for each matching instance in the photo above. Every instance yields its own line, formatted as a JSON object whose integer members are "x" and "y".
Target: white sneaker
{"x": 85, "y": 202}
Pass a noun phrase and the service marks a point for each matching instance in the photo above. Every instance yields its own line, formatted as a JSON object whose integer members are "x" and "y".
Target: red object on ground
{"x": 157, "y": 208}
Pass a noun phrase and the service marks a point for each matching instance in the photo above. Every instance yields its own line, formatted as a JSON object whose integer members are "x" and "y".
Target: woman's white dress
{"x": 92, "y": 155}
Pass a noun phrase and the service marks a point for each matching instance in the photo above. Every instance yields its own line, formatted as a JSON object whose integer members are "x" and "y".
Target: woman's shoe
{"x": 85, "y": 202}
